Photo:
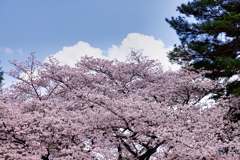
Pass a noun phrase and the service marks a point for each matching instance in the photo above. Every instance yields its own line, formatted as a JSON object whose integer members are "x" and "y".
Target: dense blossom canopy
{"x": 103, "y": 109}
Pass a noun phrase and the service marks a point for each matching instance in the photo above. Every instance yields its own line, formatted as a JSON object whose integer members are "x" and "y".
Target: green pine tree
{"x": 212, "y": 42}
{"x": 1, "y": 79}
{"x": 1, "y": 75}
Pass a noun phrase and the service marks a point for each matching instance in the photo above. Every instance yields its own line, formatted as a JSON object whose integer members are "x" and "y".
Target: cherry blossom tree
{"x": 102, "y": 109}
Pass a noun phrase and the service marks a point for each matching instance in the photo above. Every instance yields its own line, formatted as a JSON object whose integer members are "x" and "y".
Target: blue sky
{"x": 72, "y": 28}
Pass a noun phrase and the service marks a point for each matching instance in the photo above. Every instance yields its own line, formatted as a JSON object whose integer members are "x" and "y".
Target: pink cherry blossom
{"x": 103, "y": 109}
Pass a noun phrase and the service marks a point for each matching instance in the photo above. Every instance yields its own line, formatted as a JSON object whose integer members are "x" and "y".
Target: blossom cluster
{"x": 102, "y": 109}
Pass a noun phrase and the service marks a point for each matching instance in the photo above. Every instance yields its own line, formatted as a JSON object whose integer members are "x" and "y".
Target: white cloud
{"x": 70, "y": 55}
{"x": 6, "y": 50}
{"x": 20, "y": 51}
{"x": 150, "y": 47}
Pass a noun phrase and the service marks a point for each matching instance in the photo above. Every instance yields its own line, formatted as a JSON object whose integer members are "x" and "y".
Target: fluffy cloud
{"x": 70, "y": 55}
{"x": 9, "y": 51}
{"x": 20, "y": 51}
{"x": 150, "y": 47}
{"x": 6, "y": 50}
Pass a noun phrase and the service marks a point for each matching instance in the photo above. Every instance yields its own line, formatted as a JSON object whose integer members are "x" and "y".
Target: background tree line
{"x": 212, "y": 42}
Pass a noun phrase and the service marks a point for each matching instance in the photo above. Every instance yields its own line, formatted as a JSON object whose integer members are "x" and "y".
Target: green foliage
{"x": 234, "y": 88}
{"x": 1, "y": 75}
{"x": 124, "y": 158}
{"x": 212, "y": 42}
